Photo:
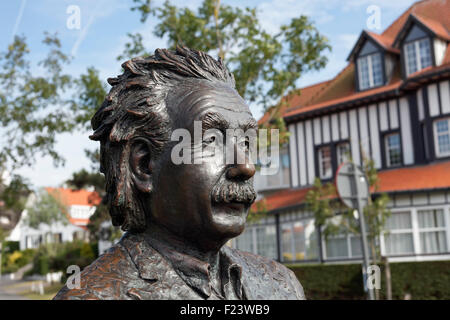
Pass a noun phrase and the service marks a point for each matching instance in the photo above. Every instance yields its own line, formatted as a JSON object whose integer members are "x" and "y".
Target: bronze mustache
{"x": 228, "y": 191}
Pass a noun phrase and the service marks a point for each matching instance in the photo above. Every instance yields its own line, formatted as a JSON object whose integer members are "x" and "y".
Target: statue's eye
{"x": 245, "y": 144}
{"x": 210, "y": 140}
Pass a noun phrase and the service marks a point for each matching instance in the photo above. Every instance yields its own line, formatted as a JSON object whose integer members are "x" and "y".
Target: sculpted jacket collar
{"x": 133, "y": 269}
{"x": 194, "y": 272}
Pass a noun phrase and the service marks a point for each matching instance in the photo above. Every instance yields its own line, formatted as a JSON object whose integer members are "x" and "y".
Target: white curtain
{"x": 431, "y": 218}
{"x": 399, "y": 220}
{"x": 337, "y": 247}
{"x": 266, "y": 241}
{"x": 399, "y": 243}
{"x": 245, "y": 242}
{"x": 432, "y": 242}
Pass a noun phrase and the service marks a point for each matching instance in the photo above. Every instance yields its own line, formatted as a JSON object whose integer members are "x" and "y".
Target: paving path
{"x": 10, "y": 289}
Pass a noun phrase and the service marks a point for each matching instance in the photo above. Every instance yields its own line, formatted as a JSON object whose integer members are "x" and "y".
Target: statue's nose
{"x": 241, "y": 171}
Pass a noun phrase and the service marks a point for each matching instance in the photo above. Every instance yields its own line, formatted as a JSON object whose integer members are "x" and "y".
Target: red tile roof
{"x": 435, "y": 14}
{"x": 433, "y": 10}
{"x": 438, "y": 29}
{"x": 283, "y": 199}
{"x": 76, "y": 197}
{"x": 353, "y": 96}
{"x": 428, "y": 177}
{"x": 305, "y": 96}
{"x": 384, "y": 41}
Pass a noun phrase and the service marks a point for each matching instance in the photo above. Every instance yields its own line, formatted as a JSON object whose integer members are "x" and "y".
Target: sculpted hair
{"x": 136, "y": 107}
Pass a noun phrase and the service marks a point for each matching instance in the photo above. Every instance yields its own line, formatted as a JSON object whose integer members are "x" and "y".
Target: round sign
{"x": 351, "y": 183}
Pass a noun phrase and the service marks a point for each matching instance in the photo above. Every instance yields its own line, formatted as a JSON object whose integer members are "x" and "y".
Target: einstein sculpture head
{"x": 206, "y": 202}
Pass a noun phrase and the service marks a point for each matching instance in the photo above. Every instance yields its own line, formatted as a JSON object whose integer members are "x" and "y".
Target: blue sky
{"x": 105, "y": 24}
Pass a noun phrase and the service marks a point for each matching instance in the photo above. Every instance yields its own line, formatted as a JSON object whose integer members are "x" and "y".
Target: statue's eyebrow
{"x": 213, "y": 120}
{"x": 250, "y": 124}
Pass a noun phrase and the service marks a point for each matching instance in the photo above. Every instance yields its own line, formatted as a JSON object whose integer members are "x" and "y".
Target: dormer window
{"x": 418, "y": 55}
{"x": 370, "y": 71}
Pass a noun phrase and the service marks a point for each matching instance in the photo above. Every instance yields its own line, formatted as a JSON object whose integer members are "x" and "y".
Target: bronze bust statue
{"x": 177, "y": 217}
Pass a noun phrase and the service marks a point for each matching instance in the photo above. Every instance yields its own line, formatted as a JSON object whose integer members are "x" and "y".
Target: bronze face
{"x": 178, "y": 215}
{"x": 183, "y": 198}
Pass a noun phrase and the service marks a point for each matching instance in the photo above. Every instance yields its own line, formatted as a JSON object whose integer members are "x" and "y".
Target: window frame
{"x": 418, "y": 58}
{"x": 421, "y": 230}
{"x": 370, "y": 69}
{"x": 411, "y": 230}
{"x": 319, "y": 161}
{"x": 438, "y": 154}
{"x": 338, "y": 161}
{"x": 387, "y": 149}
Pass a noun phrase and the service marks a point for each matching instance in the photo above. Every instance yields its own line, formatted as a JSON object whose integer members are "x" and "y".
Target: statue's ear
{"x": 141, "y": 164}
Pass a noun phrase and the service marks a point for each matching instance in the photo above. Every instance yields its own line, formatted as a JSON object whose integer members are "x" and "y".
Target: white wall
{"x": 362, "y": 125}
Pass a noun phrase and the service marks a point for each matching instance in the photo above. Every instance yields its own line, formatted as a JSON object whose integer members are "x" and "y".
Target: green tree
{"x": 36, "y": 106}
{"x": 266, "y": 66}
{"x": 12, "y": 200}
{"x": 3, "y": 235}
{"x": 83, "y": 179}
{"x": 334, "y": 218}
{"x": 48, "y": 209}
{"x": 32, "y": 108}
{"x": 88, "y": 96}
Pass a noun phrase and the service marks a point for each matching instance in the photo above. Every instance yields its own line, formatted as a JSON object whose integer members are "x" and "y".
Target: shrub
{"x": 422, "y": 280}
{"x": 13, "y": 261}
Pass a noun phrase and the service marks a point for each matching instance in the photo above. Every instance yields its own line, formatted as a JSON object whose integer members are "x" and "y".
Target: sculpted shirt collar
{"x": 194, "y": 272}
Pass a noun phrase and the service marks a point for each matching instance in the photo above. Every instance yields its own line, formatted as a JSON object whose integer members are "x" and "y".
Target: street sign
{"x": 347, "y": 187}
{"x": 353, "y": 189}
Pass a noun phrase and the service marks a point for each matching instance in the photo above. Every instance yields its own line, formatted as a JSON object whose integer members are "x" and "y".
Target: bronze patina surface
{"x": 177, "y": 217}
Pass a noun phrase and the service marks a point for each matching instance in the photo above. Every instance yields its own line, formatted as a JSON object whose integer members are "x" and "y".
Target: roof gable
{"x": 417, "y": 27}
{"x": 75, "y": 197}
{"x": 341, "y": 91}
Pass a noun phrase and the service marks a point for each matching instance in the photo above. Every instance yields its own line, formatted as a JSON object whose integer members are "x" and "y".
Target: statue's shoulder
{"x": 105, "y": 278}
{"x": 256, "y": 269}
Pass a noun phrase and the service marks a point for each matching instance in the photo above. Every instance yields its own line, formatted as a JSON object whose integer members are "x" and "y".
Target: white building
{"x": 81, "y": 205}
{"x": 393, "y": 100}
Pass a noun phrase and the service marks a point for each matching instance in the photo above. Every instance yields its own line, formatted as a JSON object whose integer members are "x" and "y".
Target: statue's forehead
{"x": 198, "y": 98}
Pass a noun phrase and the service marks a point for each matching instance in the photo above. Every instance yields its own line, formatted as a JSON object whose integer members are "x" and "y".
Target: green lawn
{"x": 49, "y": 292}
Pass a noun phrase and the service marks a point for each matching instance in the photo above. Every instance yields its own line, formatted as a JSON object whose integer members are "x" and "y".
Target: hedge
{"x": 421, "y": 280}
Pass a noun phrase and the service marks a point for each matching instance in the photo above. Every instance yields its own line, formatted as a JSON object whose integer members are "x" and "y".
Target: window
{"x": 432, "y": 231}
{"x": 418, "y": 55}
{"x": 442, "y": 137}
{"x": 272, "y": 179}
{"x": 393, "y": 150}
{"x": 299, "y": 240}
{"x": 325, "y": 166}
{"x": 266, "y": 241}
{"x": 245, "y": 241}
{"x": 343, "y": 246}
{"x": 399, "y": 239}
{"x": 370, "y": 71}
{"x": 337, "y": 247}
{"x": 343, "y": 151}
{"x": 57, "y": 237}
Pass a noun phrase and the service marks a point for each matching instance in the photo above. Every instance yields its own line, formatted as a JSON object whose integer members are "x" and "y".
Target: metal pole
{"x": 363, "y": 232}
{"x": 1, "y": 248}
